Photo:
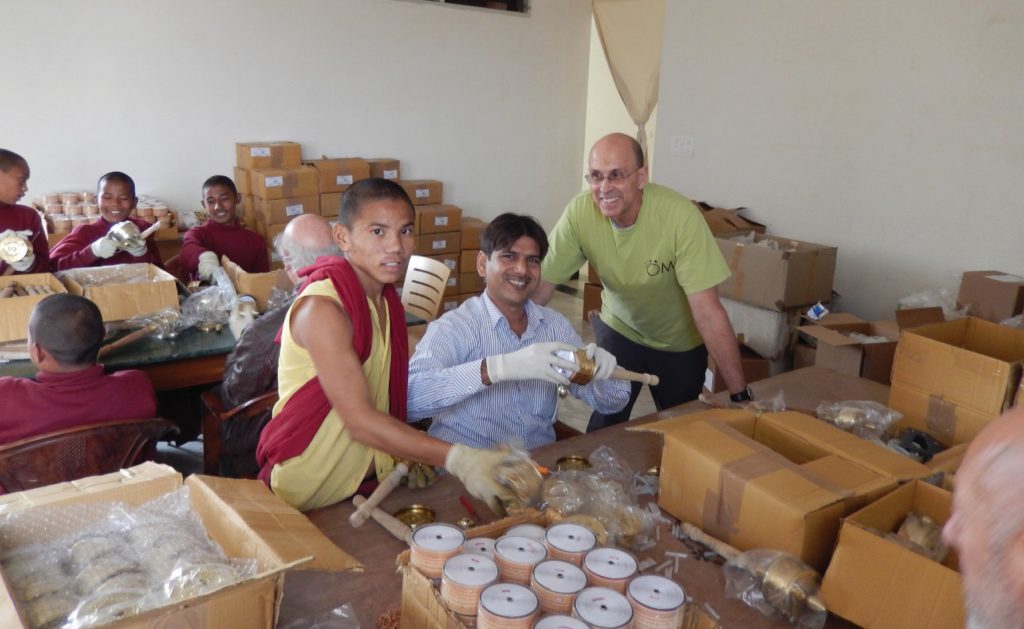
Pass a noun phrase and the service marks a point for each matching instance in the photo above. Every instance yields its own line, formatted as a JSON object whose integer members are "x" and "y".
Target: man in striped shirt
{"x": 487, "y": 372}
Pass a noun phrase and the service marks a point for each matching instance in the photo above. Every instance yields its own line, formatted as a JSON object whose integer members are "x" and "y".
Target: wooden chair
{"x": 214, "y": 414}
{"x": 423, "y": 290}
{"x": 74, "y": 453}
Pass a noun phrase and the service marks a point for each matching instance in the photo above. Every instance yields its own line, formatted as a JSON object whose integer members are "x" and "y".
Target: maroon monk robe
{"x": 19, "y": 218}
{"x": 73, "y": 251}
{"x": 245, "y": 247}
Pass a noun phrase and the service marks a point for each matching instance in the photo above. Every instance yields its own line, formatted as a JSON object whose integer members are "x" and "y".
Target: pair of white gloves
{"x": 30, "y": 258}
{"x": 541, "y": 361}
{"x": 106, "y": 247}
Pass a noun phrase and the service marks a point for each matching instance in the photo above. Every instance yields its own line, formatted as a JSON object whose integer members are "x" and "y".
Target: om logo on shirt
{"x": 655, "y": 268}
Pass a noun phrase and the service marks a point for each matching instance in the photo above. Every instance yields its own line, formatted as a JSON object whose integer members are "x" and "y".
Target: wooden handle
{"x": 390, "y": 524}
{"x": 626, "y": 374}
{"x": 152, "y": 229}
{"x": 715, "y": 544}
{"x": 127, "y": 339}
{"x": 382, "y": 491}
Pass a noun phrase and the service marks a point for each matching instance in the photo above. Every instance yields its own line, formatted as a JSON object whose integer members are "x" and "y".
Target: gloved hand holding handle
{"x": 478, "y": 470}
{"x": 534, "y": 362}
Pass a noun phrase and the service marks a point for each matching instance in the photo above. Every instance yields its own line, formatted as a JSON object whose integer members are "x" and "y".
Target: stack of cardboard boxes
{"x": 438, "y": 232}
{"x": 470, "y": 282}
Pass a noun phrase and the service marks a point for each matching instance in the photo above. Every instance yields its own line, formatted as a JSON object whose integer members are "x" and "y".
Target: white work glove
{"x": 25, "y": 263}
{"x": 208, "y": 263}
{"x": 536, "y": 362}
{"x": 104, "y": 247}
{"x": 478, "y": 471}
{"x": 242, "y": 314}
{"x": 605, "y": 361}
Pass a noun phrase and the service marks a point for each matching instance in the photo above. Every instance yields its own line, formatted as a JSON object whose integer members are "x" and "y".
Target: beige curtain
{"x": 630, "y": 32}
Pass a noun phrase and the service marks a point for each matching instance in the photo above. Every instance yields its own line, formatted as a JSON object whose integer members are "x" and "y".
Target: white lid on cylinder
{"x": 438, "y": 537}
{"x": 571, "y": 538}
{"x": 610, "y": 563}
{"x": 509, "y": 600}
{"x": 560, "y": 577}
{"x": 560, "y": 622}
{"x": 656, "y": 592}
{"x": 520, "y": 550}
{"x": 532, "y": 531}
{"x": 602, "y": 608}
{"x": 480, "y": 545}
{"x": 470, "y": 569}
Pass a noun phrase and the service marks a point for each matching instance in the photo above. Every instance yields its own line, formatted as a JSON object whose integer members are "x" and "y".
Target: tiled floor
{"x": 568, "y": 300}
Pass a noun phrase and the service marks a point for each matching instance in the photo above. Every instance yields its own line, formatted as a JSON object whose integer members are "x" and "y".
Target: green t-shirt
{"x": 647, "y": 269}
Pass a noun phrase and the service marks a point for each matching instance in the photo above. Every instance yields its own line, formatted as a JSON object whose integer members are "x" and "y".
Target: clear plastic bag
{"x": 209, "y": 308}
{"x": 776, "y": 584}
{"x": 923, "y": 535}
{"x": 1014, "y": 322}
{"x": 865, "y": 418}
{"x": 137, "y": 273}
{"x": 944, "y": 297}
{"x": 278, "y": 297}
{"x": 774, "y": 404}
{"x": 341, "y": 617}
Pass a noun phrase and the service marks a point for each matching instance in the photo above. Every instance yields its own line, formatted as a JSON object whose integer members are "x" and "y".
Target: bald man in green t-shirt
{"x": 660, "y": 268}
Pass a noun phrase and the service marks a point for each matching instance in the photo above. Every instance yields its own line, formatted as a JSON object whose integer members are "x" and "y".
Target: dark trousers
{"x": 681, "y": 373}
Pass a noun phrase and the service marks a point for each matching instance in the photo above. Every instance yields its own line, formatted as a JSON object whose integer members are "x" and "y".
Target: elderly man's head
{"x": 306, "y": 238}
{"x": 987, "y": 524}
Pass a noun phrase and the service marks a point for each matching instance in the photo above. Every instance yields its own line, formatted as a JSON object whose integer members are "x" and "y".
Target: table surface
{"x": 377, "y": 589}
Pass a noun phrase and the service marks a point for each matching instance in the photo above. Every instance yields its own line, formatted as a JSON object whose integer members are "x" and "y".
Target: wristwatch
{"x": 746, "y": 395}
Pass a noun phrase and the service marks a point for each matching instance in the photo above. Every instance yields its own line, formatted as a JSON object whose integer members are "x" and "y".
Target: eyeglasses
{"x": 596, "y": 178}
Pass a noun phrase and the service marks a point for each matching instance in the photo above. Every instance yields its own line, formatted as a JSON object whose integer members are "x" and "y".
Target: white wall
{"x": 894, "y": 130}
{"x": 491, "y": 103}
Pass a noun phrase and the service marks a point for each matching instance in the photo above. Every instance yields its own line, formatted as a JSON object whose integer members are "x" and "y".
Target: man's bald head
{"x": 620, "y": 142}
{"x": 305, "y": 238}
{"x": 987, "y": 523}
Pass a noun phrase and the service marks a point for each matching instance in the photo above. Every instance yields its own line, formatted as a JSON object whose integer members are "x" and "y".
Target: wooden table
{"x": 378, "y": 588}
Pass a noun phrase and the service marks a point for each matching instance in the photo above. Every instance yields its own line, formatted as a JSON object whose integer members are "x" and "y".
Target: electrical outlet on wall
{"x": 682, "y": 145}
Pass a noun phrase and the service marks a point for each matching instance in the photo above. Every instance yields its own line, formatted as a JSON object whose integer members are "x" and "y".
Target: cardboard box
{"x": 385, "y": 168}
{"x": 472, "y": 229}
{"x": 423, "y": 191}
{"x": 243, "y": 516}
{"x": 336, "y": 175}
{"x": 252, "y": 155}
{"x": 591, "y": 300}
{"x": 951, "y": 379}
{"x": 53, "y": 239}
{"x": 797, "y": 274}
{"x": 450, "y": 260}
{"x": 725, "y": 221}
{"x": 330, "y": 204}
{"x": 449, "y": 302}
{"x": 243, "y": 180}
{"x": 452, "y": 286}
{"x": 804, "y": 347}
{"x": 467, "y": 260}
{"x": 284, "y": 183}
{"x": 992, "y": 295}
{"x": 471, "y": 282}
{"x": 280, "y": 211}
{"x": 755, "y": 367}
{"x": 592, "y": 276}
{"x": 434, "y": 219}
{"x": 436, "y": 244}
{"x": 837, "y": 350}
{"x": 258, "y": 285}
{"x": 768, "y": 332}
{"x": 877, "y": 583}
{"x": 123, "y": 291}
{"x": 16, "y": 311}
{"x": 758, "y": 482}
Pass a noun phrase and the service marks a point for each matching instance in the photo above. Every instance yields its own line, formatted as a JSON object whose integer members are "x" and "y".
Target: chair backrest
{"x": 249, "y": 416}
{"x": 423, "y": 290}
{"x": 77, "y": 452}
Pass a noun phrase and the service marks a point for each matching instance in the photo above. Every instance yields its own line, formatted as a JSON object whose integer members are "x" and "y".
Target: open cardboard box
{"x": 243, "y": 516}
{"x": 797, "y": 274}
{"x": 878, "y": 583}
{"x": 837, "y": 350}
{"x": 15, "y": 311}
{"x": 805, "y": 347}
{"x": 258, "y": 285}
{"x": 724, "y": 221}
{"x": 991, "y": 295}
{"x": 123, "y": 290}
{"x": 423, "y": 607}
{"x": 758, "y": 482}
{"x": 951, "y": 379}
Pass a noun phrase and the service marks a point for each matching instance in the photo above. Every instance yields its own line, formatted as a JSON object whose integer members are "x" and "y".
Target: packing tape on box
{"x": 276, "y": 158}
{"x": 722, "y": 509}
{"x": 941, "y": 419}
{"x": 812, "y": 270}
{"x": 290, "y": 181}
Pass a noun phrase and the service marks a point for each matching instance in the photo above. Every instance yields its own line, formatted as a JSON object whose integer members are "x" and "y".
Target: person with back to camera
{"x": 92, "y": 244}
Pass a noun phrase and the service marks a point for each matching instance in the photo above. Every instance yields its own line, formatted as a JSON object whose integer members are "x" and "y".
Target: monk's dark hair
{"x": 118, "y": 176}
{"x": 220, "y": 180}
{"x": 10, "y": 159}
{"x": 367, "y": 190}
{"x": 507, "y": 228}
{"x": 69, "y": 327}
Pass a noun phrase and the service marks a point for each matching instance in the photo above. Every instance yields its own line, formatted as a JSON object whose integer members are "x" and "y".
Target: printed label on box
{"x": 259, "y": 151}
{"x": 450, "y": 305}
{"x": 439, "y": 244}
{"x": 450, "y": 264}
{"x": 451, "y": 281}
{"x": 1009, "y": 279}
{"x": 422, "y": 193}
{"x": 709, "y": 380}
{"x": 391, "y": 174}
{"x": 440, "y": 220}
{"x": 275, "y": 182}
{"x": 344, "y": 180}
{"x": 293, "y": 210}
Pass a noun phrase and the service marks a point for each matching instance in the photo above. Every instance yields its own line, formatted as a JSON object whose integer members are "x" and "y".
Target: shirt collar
{"x": 534, "y": 315}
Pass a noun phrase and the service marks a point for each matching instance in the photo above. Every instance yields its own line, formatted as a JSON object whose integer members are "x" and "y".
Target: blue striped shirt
{"x": 444, "y": 378}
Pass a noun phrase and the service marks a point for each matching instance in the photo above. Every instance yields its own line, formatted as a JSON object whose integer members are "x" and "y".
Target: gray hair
{"x": 295, "y": 256}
